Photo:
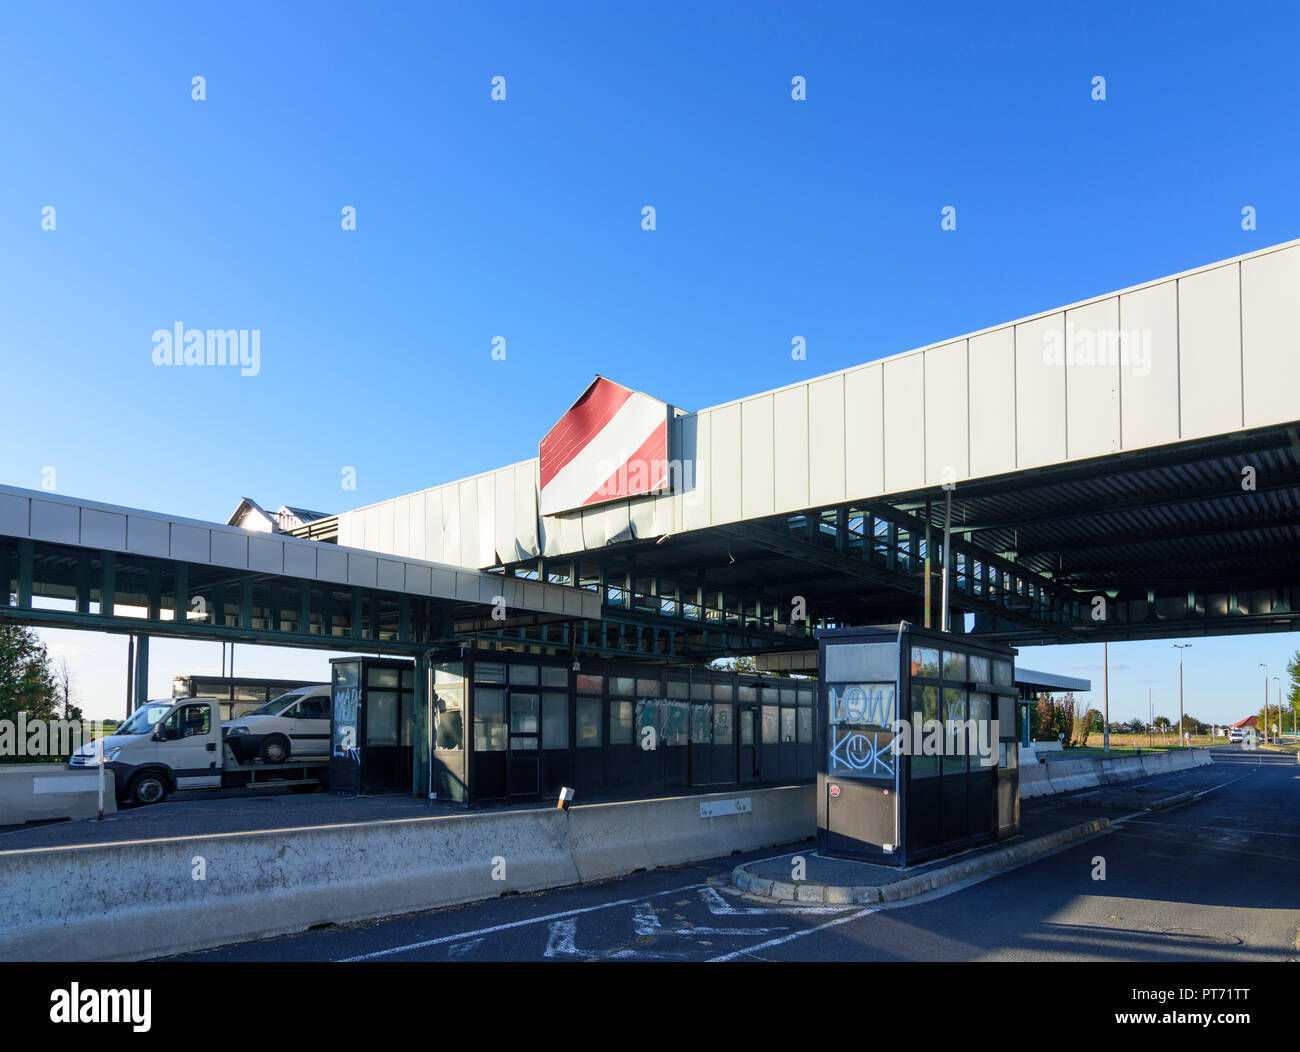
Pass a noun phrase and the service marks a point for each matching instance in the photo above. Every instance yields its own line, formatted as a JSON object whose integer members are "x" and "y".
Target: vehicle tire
{"x": 274, "y": 750}
{"x": 148, "y": 788}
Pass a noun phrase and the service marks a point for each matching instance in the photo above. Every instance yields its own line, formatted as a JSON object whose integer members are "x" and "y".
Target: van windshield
{"x": 277, "y": 705}
{"x": 143, "y": 720}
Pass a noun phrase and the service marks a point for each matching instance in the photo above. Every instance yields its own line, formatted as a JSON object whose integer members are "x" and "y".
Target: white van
{"x": 295, "y": 725}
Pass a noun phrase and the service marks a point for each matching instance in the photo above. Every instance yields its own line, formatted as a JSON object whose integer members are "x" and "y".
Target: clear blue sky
{"x": 522, "y": 219}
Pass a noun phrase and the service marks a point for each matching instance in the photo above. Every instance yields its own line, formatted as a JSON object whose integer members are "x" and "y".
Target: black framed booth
{"x": 511, "y": 726}
{"x": 373, "y": 725}
{"x": 916, "y": 743}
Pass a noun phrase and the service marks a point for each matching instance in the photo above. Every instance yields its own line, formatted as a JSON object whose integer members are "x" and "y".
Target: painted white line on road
{"x": 512, "y": 924}
{"x": 793, "y": 935}
{"x": 646, "y": 920}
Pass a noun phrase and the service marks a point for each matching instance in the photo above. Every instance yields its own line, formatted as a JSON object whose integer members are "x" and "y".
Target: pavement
{"x": 1215, "y": 879}
{"x": 1045, "y": 825}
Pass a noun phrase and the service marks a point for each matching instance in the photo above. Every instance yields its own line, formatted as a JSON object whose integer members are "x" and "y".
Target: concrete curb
{"x": 903, "y": 889}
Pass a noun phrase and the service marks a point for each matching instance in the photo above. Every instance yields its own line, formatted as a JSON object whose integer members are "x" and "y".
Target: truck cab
{"x": 165, "y": 745}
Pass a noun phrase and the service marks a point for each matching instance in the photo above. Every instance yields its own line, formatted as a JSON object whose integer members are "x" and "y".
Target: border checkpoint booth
{"x": 892, "y": 787}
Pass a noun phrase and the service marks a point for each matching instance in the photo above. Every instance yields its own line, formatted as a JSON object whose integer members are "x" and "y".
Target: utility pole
{"x": 1105, "y": 697}
{"x": 1280, "y": 728}
{"x": 1180, "y": 647}
{"x": 1265, "y": 668}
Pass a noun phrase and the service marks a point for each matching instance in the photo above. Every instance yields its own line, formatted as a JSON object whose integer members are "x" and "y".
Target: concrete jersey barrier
{"x": 140, "y": 899}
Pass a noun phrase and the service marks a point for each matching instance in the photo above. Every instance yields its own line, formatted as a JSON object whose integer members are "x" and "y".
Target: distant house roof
{"x": 1249, "y": 721}
{"x": 252, "y": 516}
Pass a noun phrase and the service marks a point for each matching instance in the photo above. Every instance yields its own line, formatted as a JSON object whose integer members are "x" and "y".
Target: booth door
{"x": 524, "y": 767}
{"x": 388, "y": 757}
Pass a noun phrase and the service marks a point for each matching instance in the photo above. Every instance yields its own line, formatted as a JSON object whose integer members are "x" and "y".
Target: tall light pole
{"x": 1180, "y": 647}
{"x": 1105, "y": 697}
{"x": 1280, "y": 728}
{"x": 1261, "y": 664}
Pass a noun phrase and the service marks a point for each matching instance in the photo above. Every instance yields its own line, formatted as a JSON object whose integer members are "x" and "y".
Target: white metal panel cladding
{"x": 1177, "y": 375}
{"x": 757, "y": 468}
{"x": 486, "y": 521}
{"x": 790, "y": 449}
{"x": 1209, "y": 351}
{"x": 695, "y": 437}
{"x": 826, "y": 440}
{"x": 402, "y": 526}
{"x": 947, "y": 419}
{"x": 864, "y": 443}
{"x": 1091, "y": 365}
{"x": 1040, "y": 393}
{"x": 1270, "y": 302}
{"x": 905, "y": 422}
{"x": 725, "y": 450}
{"x": 200, "y": 542}
{"x": 992, "y": 374}
{"x": 1148, "y": 322}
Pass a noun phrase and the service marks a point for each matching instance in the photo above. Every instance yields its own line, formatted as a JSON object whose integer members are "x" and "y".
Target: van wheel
{"x": 274, "y": 750}
{"x": 148, "y": 788}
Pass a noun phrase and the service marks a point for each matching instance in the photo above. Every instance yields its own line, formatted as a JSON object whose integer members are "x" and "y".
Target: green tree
{"x": 27, "y": 679}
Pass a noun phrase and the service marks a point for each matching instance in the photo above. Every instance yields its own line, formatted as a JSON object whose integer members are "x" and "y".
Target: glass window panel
{"x": 723, "y": 722}
{"x": 722, "y": 691}
{"x": 677, "y": 688}
{"x": 787, "y": 695}
{"x": 954, "y": 665}
{"x": 620, "y": 723}
{"x": 925, "y": 662}
{"x": 555, "y": 721}
{"x": 771, "y": 695}
{"x": 524, "y": 713}
{"x": 452, "y": 672}
{"x": 1002, "y": 673}
{"x": 701, "y": 719}
{"x": 490, "y": 672}
{"x": 647, "y": 688}
{"x": 979, "y": 669}
{"x": 805, "y": 725}
{"x": 408, "y": 717}
{"x": 381, "y": 716}
{"x": 449, "y": 730}
{"x": 925, "y": 708}
{"x": 383, "y": 677}
{"x": 554, "y": 676}
{"x": 408, "y": 679}
{"x": 701, "y": 690}
{"x": 489, "y": 720}
{"x": 676, "y": 717}
{"x": 746, "y": 726}
{"x": 771, "y": 724}
{"x": 788, "y": 723}
{"x": 345, "y": 674}
{"x": 524, "y": 743}
{"x": 588, "y": 713}
{"x": 590, "y": 683}
{"x": 806, "y": 695}
{"x": 624, "y": 686}
{"x": 954, "y": 738}
{"x": 748, "y": 692}
{"x": 524, "y": 675}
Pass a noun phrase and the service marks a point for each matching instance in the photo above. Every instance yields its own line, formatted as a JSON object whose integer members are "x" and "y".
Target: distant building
{"x": 252, "y": 516}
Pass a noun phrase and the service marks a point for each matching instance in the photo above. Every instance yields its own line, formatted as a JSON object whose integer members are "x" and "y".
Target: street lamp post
{"x": 1265, "y": 668}
{"x": 1180, "y": 647}
{"x": 1280, "y": 728}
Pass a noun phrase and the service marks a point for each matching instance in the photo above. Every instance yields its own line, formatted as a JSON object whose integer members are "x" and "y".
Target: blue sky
{"x": 522, "y": 219}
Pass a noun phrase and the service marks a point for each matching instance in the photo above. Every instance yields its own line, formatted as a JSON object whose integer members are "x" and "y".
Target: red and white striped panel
{"x": 612, "y": 443}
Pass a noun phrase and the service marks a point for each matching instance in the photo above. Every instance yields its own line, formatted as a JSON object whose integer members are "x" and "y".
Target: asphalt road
{"x": 1216, "y": 879}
